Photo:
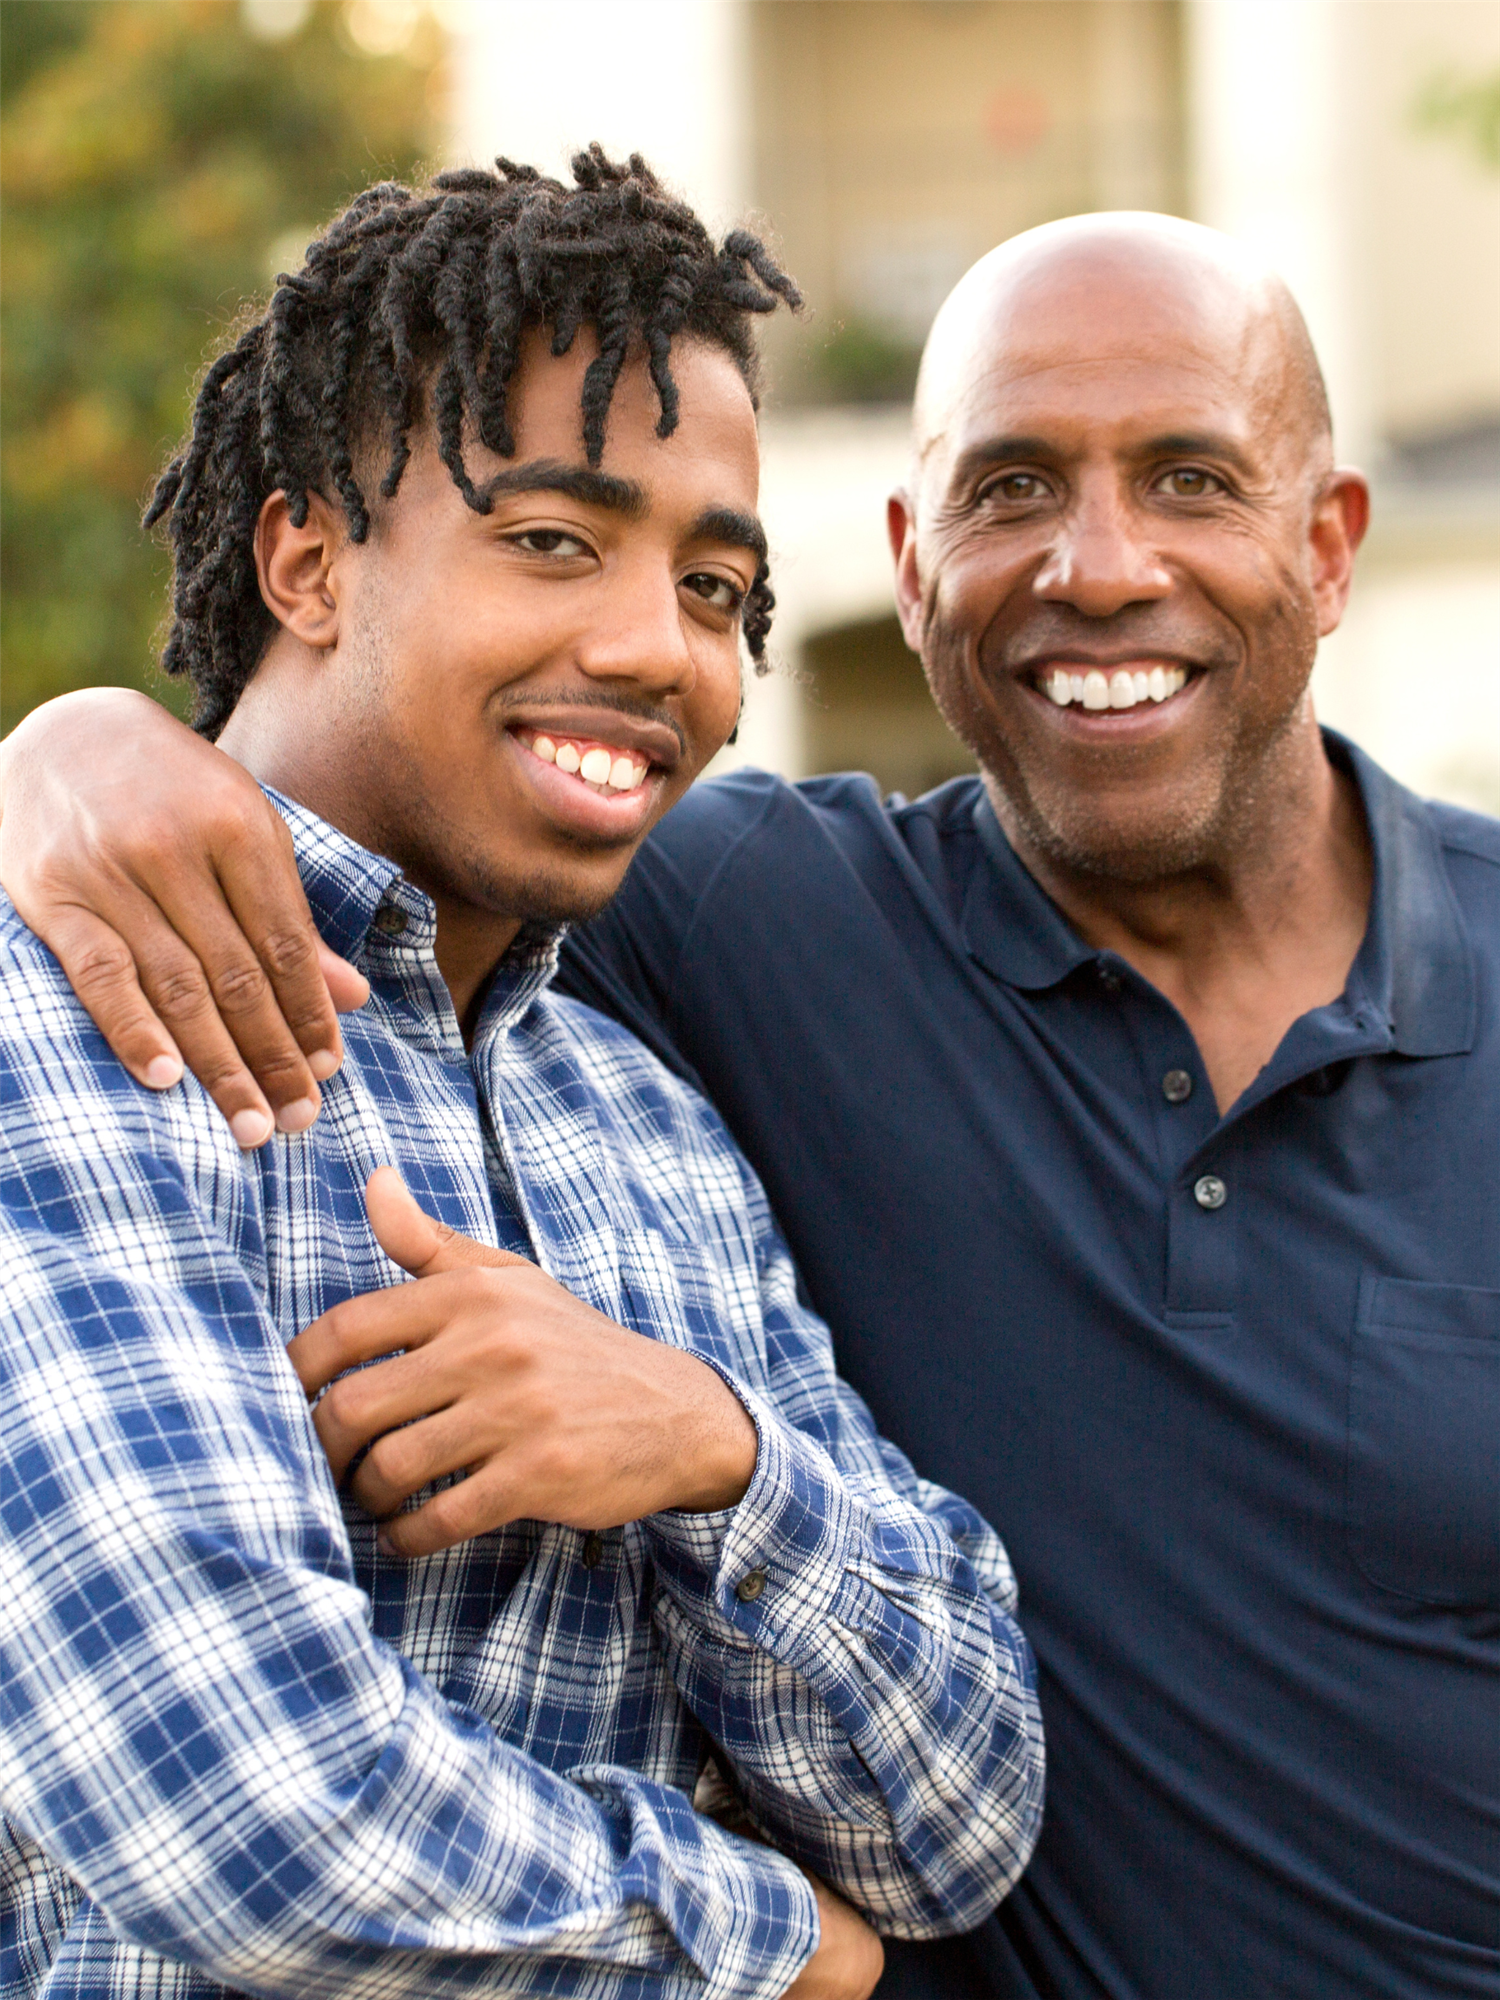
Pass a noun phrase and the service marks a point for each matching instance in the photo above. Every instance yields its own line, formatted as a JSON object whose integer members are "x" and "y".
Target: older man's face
{"x": 1125, "y": 546}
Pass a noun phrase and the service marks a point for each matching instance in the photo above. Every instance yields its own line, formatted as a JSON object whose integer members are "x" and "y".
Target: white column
{"x": 667, "y": 78}
{"x": 1269, "y": 88}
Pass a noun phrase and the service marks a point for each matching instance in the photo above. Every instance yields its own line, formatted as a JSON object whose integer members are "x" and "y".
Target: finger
{"x": 99, "y": 967}
{"x": 475, "y": 1506}
{"x": 401, "y": 1462}
{"x": 417, "y": 1241}
{"x": 230, "y": 999}
{"x": 207, "y": 1014}
{"x": 161, "y": 984}
{"x": 369, "y": 1327}
{"x": 256, "y": 871}
{"x": 348, "y": 988}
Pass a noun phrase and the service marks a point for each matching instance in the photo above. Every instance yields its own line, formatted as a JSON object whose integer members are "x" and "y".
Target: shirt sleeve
{"x": 846, "y": 1636}
{"x": 197, "y": 1724}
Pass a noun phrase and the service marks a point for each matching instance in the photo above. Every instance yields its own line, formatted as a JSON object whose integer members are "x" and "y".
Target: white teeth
{"x": 624, "y": 775}
{"x": 595, "y": 766}
{"x": 545, "y": 748}
{"x": 568, "y": 758}
{"x": 1120, "y": 689}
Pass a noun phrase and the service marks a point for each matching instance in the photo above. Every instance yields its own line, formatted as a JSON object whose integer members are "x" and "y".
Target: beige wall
{"x": 1429, "y": 217}
{"x": 894, "y": 141}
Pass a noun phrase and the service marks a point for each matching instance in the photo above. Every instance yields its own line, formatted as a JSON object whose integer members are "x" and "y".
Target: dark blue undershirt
{"x": 1230, "y": 1388}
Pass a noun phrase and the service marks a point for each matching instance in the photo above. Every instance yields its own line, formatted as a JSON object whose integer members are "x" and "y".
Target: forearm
{"x": 875, "y": 1702}
{"x": 188, "y": 1683}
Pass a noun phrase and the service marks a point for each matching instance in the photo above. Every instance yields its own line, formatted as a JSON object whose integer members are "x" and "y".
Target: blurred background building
{"x": 887, "y": 144}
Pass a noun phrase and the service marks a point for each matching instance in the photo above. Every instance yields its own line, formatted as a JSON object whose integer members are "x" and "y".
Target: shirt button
{"x": 1109, "y": 979}
{"x": 1210, "y": 1192}
{"x": 1177, "y": 1086}
{"x": 593, "y": 1551}
{"x": 390, "y": 919}
{"x": 750, "y": 1587}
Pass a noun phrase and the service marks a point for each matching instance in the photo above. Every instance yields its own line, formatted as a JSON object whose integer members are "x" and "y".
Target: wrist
{"x": 716, "y": 1473}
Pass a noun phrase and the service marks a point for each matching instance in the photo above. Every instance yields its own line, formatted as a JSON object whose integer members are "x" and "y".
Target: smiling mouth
{"x": 609, "y": 769}
{"x": 1121, "y": 687}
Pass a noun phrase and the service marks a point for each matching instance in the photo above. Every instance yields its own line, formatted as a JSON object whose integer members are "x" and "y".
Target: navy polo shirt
{"x": 1229, "y": 1387}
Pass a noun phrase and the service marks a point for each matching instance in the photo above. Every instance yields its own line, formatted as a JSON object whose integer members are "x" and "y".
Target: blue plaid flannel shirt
{"x": 241, "y": 1750}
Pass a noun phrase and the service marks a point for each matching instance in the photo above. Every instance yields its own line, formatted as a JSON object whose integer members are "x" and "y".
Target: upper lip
{"x": 658, "y": 742}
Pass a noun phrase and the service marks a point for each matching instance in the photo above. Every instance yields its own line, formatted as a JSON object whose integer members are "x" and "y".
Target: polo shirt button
{"x": 593, "y": 1551}
{"x": 1109, "y": 979}
{"x": 1177, "y": 1086}
{"x": 750, "y": 1587}
{"x": 1210, "y": 1192}
{"x": 390, "y": 919}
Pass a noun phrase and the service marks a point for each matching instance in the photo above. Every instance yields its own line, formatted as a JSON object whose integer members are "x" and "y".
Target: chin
{"x": 1135, "y": 846}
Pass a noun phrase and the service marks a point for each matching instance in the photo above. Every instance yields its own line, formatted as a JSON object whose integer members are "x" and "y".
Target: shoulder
{"x": 75, "y": 1122}
{"x": 1473, "y": 835}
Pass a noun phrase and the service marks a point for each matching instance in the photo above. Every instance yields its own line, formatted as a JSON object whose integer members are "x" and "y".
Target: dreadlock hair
{"x": 413, "y": 302}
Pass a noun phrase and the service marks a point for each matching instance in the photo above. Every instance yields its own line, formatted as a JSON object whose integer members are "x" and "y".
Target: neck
{"x": 328, "y": 771}
{"x": 1263, "y": 928}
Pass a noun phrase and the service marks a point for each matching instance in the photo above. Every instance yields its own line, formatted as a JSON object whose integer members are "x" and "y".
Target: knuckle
{"x": 101, "y": 967}
{"x": 239, "y": 988}
{"x": 179, "y": 991}
{"x": 287, "y": 952}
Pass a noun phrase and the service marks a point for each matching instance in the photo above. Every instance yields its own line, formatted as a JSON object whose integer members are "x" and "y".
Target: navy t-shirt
{"x": 1229, "y": 1387}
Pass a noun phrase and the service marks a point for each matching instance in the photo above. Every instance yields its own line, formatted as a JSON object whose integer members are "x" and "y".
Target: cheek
{"x": 713, "y": 707}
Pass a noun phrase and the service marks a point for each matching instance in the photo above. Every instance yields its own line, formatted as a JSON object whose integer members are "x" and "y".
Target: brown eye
{"x": 1016, "y": 487}
{"x": 716, "y": 591}
{"x": 1190, "y": 482}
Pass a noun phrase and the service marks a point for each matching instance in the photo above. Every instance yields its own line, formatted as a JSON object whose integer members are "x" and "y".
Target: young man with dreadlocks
{"x": 465, "y": 543}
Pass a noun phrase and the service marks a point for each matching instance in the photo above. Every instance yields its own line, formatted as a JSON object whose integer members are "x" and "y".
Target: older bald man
{"x": 1132, "y": 1109}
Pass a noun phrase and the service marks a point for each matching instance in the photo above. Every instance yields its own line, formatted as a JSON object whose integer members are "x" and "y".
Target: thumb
{"x": 417, "y": 1241}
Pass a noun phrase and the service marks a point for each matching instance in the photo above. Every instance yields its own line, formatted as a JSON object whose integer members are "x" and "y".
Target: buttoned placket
{"x": 1198, "y": 1149}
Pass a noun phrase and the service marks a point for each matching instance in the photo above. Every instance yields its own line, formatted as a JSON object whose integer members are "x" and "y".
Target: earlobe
{"x": 295, "y": 568}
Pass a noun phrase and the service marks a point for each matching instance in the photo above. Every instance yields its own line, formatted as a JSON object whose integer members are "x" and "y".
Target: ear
{"x": 1340, "y": 516}
{"x": 295, "y": 567}
{"x": 901, "y": 526}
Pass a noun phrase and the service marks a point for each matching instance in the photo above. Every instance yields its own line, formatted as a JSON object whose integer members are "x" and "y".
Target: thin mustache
{"x": 616, "y": 704}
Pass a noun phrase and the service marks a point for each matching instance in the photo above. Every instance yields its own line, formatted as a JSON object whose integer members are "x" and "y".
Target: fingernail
{"x": 163, "y": 1071}
{"x": 251, "y": 1128}
{"x": 385, "y": 1545}
{"x": 324, "y": 1063}
{"x": 297, "y": 1116}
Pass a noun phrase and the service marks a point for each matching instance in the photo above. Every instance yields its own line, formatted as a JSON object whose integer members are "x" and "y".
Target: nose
{"x": 638, "y": 639}
{"x": 1102, "y": 558}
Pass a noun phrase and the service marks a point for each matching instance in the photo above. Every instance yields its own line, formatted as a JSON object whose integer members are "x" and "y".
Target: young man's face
{"x": 527, "y": 691}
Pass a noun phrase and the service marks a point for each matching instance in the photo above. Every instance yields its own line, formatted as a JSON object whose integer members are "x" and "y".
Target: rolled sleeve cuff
{"x": 778, "y": 1563}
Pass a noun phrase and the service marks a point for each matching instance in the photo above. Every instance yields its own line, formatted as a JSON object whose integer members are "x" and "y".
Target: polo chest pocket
{"x": 1424, "y": 1441}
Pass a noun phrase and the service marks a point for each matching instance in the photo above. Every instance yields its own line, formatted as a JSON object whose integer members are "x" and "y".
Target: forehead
{"x": 714, "y": 445}
{"x": 1090, "y": 350}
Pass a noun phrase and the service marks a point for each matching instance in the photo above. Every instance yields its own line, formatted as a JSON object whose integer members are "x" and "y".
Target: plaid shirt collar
{"x": 368, "y": 912}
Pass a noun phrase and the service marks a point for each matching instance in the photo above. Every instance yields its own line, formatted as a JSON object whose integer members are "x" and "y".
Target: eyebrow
{"x": 728, "y": 524}
{"x": 626, "y": 497}
{"x": 577, "y": 482}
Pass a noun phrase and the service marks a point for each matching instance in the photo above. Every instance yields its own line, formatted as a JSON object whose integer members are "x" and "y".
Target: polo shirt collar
{"x": 1414, "y": 970}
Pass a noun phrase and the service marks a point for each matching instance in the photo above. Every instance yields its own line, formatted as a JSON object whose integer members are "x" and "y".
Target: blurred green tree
{"x": 1466, "y": 106}
{"x": 159, "y": 159}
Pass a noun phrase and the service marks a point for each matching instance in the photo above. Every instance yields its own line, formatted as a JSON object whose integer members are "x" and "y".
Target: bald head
{"x": 1101, "y": 290}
